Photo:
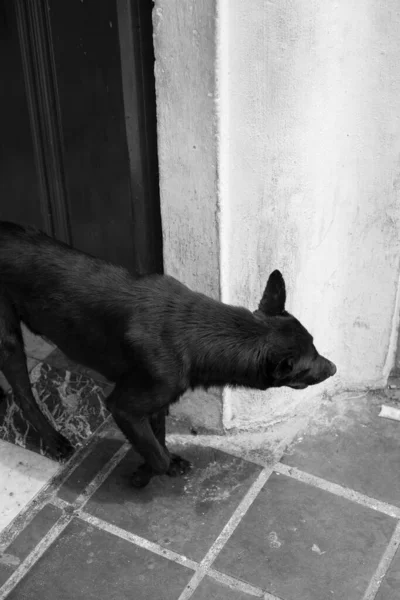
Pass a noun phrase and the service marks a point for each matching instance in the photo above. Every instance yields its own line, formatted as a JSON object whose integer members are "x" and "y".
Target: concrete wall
{"x": 305, "y": 178}
{"x": 185, "y": 49}
{"x": 313, "y": 178}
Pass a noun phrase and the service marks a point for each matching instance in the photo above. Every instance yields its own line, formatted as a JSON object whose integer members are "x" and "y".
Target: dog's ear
{"x": 274, "y": 296}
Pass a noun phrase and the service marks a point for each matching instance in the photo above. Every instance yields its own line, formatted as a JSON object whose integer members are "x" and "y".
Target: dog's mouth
{"x": 298, "y": 386}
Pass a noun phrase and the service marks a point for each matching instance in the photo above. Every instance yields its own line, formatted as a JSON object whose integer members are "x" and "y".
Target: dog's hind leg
{"x": 13, "y": 366}
{"x": 3, "y": 394}
{"x": 178, "y": 465}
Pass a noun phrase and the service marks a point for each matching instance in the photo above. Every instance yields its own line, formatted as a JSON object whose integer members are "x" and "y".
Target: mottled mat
{"x": 72, "y": 401}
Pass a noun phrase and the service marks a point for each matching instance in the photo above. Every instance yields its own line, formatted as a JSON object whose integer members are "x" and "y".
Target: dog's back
{"x": 80, "y": 303}
{"x": 102, "y": 316}
{"x": 96, "y": 312}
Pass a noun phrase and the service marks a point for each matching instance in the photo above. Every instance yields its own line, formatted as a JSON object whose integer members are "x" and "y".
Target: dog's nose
{"x": 332, "y": 368}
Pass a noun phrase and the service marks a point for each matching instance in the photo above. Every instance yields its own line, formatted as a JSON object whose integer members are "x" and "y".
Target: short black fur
{"x": 152, "y": 336}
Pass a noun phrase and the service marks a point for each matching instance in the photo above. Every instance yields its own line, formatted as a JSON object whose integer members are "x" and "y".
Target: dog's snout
{"x": 332, "y": 368}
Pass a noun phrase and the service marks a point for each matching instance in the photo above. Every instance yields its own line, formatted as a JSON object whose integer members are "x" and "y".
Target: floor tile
{"x": 88, "y": 468}
{"x": 185, "y": 514}
{"x": 36, "y": 346}
{"x": 209, "y": 589}
{"x": 27, "y": 540}
{"x": 352, "y": 446}
{"x": 73, "y": 403}
{"x": 31, "y": 363}
{"x": 86, "y": 563}
{"x": 22, "y": 475}
{"x": 302, "y": 543}
{"x": 58, "y": 360}
{"x": 390, "y": 586}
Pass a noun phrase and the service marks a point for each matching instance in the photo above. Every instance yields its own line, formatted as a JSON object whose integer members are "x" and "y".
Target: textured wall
{"x": 184, "y": 41}
{"x": 297, "y": 166}
{"x": 184, "y": 38}
{"x": 314, "y": 176}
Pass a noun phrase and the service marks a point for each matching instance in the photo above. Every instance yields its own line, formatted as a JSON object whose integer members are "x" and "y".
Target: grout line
{"x": 34, "y": 556}
{"x": 101, "y": 476}
{"x": 338, "y": 490}
{"x": 62, "y": 522}
{"x": 60, "y": 503}
{"x": 138, "y": 541}
{"x": 173, "y": 556}
{"x": 226, "y": 533}
{"x": 27, "y": 514}
{"x": 227, "y": 580}
{"x": 383, "y": 566}
{"x": 48, "y": 493}
{"x": 23, "y": 518}
{"x": 241, "y": 586}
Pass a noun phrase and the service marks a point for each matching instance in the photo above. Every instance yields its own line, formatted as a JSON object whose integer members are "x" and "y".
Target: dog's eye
{"x": 302, "y": 373}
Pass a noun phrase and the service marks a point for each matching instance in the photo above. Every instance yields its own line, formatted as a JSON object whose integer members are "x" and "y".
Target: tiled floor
{"x": 22, "y": 476}
{"x": 22, "y": 473}
{"x": 70, "y": 397}
{"x": 321, "y": 523}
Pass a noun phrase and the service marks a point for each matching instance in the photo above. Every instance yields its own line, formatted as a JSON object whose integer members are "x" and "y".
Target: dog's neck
{"x": 229, "y": 349}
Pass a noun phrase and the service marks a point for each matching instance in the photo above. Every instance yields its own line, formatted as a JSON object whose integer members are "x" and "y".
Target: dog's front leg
{"x": 178, "y": 465}
{"x": 129, "y": 407}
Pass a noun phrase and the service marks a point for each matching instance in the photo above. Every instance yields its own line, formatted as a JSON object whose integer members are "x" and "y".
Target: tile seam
{"x": 226, "y": 533}
{"x": 28, "y": 513}
{"x": 383, "y": 566}
{"x": 34, "y": 556}
{"x": 137, "y": 540}
{"x": 338, "y": 490}
{"x": 62, "y": 523}
{"x": 242, "y": 586}
{"x": 48, "y": 494}
{"x": 181, "y": 559}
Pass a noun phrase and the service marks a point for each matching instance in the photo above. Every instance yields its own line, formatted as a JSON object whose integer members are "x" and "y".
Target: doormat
{"x": 71, "y": 401}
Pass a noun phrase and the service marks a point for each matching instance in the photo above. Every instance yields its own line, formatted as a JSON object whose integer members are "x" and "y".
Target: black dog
{"x": 151, "y": 335}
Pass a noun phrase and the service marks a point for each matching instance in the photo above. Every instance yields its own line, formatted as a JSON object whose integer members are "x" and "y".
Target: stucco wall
{"x": 304, "y": 177}
{"x": 185, "y": 48}
{"x": 313, "y": 178}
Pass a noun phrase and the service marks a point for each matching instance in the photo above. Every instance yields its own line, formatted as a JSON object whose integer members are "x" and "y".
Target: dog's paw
{"x": 141, "y": 477}
{"x": 178, "y": 466}
{"x": 59, "y": 447}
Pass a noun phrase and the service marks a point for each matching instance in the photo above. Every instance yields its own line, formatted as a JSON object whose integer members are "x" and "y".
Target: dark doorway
{"x": 78, "y": 125}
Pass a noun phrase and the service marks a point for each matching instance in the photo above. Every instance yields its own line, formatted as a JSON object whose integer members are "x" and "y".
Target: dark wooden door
{"x": 78, "y": 125}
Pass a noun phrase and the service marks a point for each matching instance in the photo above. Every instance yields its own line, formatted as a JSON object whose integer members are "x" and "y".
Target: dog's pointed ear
{"x": 274, "y": 296}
